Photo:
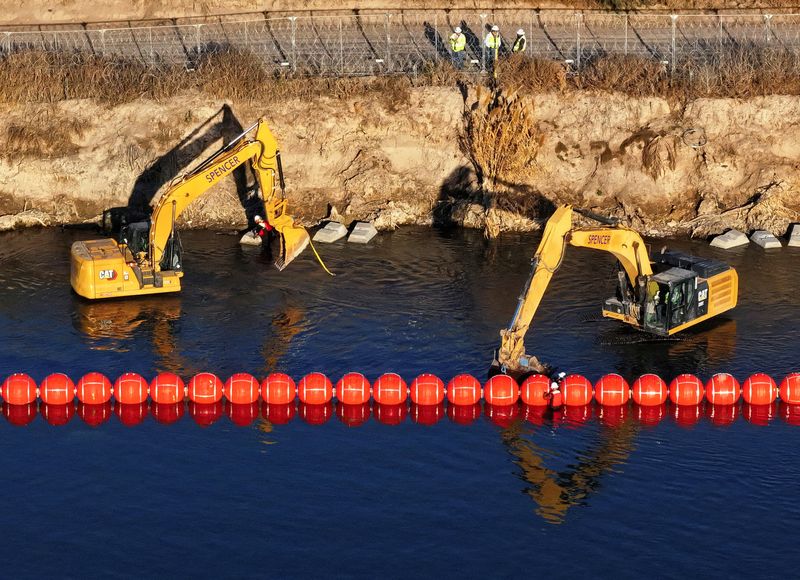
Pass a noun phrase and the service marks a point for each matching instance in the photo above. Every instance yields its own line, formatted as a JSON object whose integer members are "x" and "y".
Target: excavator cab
{"x": 671, "y": 300}
{"x": 136, "y": 237}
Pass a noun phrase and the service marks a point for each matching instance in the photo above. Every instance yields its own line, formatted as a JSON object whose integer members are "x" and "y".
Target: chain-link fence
{"x": 408, "y": 41}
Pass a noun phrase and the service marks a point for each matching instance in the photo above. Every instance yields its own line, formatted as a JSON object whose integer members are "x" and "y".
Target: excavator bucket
{"x": 293, "y": 240}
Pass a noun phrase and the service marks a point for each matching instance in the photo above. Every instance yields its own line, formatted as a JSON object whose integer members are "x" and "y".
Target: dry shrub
{"x": 43, "y": 135}
{"x": 524, "y": 75}
{"x": 658, "y": 154}
{"x": 632, "y": 75}
{"x": 500, "y": 137}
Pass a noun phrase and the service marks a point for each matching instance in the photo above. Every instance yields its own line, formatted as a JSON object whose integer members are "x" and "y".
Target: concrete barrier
{"x": 794, "y": 236}
{"x": 730, "y": 239}
{"x": 362, "y": 233}
{"x": 330, "y": 233}
{"x": 765, "y": 239}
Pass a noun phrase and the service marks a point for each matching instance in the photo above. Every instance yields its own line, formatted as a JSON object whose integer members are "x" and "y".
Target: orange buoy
{"x": 168, "y": 389}
{"x": 577, "y": 391}
{"x": 130, "y": 414}
{"x": 427, "y": 389}
{"x": 391, "y": 414}
{"x": 686, "y": 389}
{"x": 130, "y": 389}
{"x": 759, "y": 415}
{"x": 19, "y": 415}
{"x": 463, "y": 389}
{"x": 278, "y": 389}
{"x": 241, "y": 389}
{"x": 612, "y": 415}
{"x": 315, "y": 389}
{"x": 242, "y": 414}
{"x": 19, "y": 389}
{"x": 686, "y": 415}
{"x": 167, "y": 413}
{"x": 649, "y": 390}
{"x": 651, "y": 415}
{"x": 95, "y": 414}
{"x": 463, "y": 414}
{"x": 278, "y": 413}
{"x": 353, "y": 415}
{"x": 390, "y": 389}
{"x": 353, "y": 389}
{"x": 57, "y": 389}
{"x": 722, "y": 389}
{"x": 427, "y": 414}
{"x": 501, "y": 415}
{"x": 790, "y": 389}
{"x": 317, "y": 414}
{"x": 612, "y": 390}
{"x": 205, "y": 414}
{"x": 57, "y": 415}
{"x": 759, "y": 389}
{"x": 501, "y": 390}
{"x": 535, "y": 391}
{"x": 205, "y": 388}
{"x": 722, "y": 415}
{"x": 94, "y": 389}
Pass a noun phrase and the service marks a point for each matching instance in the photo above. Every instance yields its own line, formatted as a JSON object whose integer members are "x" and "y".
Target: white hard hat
{"x": 495, "y": 28}
{"x": 257, "y": 218}
{"x": 562, "y": 374}
{"x": 457, "y": 30}
{"x": 521, "y": 32}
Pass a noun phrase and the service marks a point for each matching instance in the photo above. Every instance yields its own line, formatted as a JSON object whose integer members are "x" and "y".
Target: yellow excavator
{"x": 660, "y": 294}
{"x": 147, "y": 259}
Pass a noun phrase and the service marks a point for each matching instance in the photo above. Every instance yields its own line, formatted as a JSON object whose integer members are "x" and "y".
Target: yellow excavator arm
{"x": 664, "y": 303}
{"x": 108, "y": 269}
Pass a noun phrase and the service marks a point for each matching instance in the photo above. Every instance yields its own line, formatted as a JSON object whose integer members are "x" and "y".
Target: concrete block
{"x": 730, "y": 239}
{"x": 362, "y": 233}
{"x": 330, "y": 233}
{"x": 765, "y": 239}
{"x": 794, "y": 236}
{"x": 250, "y": 239}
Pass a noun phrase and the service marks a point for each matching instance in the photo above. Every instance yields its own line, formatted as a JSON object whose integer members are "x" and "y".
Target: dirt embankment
{"x": 697, "y": 168}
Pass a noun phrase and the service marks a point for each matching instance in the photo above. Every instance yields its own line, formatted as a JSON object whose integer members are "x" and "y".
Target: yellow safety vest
{"x": 492, "y": 41}
{"x": 520, "y": 44}
{"x": 458, "y": 42}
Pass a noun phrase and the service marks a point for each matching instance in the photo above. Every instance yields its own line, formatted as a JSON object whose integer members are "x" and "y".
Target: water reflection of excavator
{"x": 555, "y": 492}
{"x": 660, "y": 294}
{"x": 148, "y": 258}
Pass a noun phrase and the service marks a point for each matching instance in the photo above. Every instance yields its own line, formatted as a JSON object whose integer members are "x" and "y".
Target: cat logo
{"x": 108, "y": 274}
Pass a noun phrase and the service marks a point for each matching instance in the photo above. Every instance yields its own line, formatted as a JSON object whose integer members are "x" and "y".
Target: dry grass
{"x": 501, "y": 138}
{"x": 43, "y": 135}
{"x": 521, "y": 74}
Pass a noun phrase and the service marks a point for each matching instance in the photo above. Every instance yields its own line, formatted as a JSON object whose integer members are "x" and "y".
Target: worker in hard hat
{"x": 262, "y": 227}
{"x": 491, "y": 46}
{"x": 520, "y": 44}
{"x": 458, "y": 44}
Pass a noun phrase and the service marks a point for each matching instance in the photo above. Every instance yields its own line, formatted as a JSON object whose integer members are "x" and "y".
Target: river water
{"x": 669, "y": 493}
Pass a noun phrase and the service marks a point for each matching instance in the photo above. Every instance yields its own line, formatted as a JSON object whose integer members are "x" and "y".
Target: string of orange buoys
{"x": 569, "y": 397}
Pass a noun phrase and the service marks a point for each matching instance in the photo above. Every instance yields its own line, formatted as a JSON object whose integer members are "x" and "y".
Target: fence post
{"x": 388, "y": 43}
{"x": 674, "y": 18}
{"x": 480, "y": 39}
{"x": 435, "y": 36}
{"x": 103, "y": 41}
{"x": 197, "y": 38}
{"x": 293, "y": 20}
{"x": 341, "y": 46}
{"x": 150, "y": 43}
{"x": 626, "y": 35}
{"x": 767, "y": 27}
{"x": 578, "y": 25}
{"x": 8, "y": 43}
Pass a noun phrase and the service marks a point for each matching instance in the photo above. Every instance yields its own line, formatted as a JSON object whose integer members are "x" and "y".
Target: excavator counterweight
{"x": 661, "y": 294}
{"x": 147, "y": 257}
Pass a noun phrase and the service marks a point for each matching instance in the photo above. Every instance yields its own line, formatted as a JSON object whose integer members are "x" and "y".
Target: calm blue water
{"x": 557, "y": 496}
